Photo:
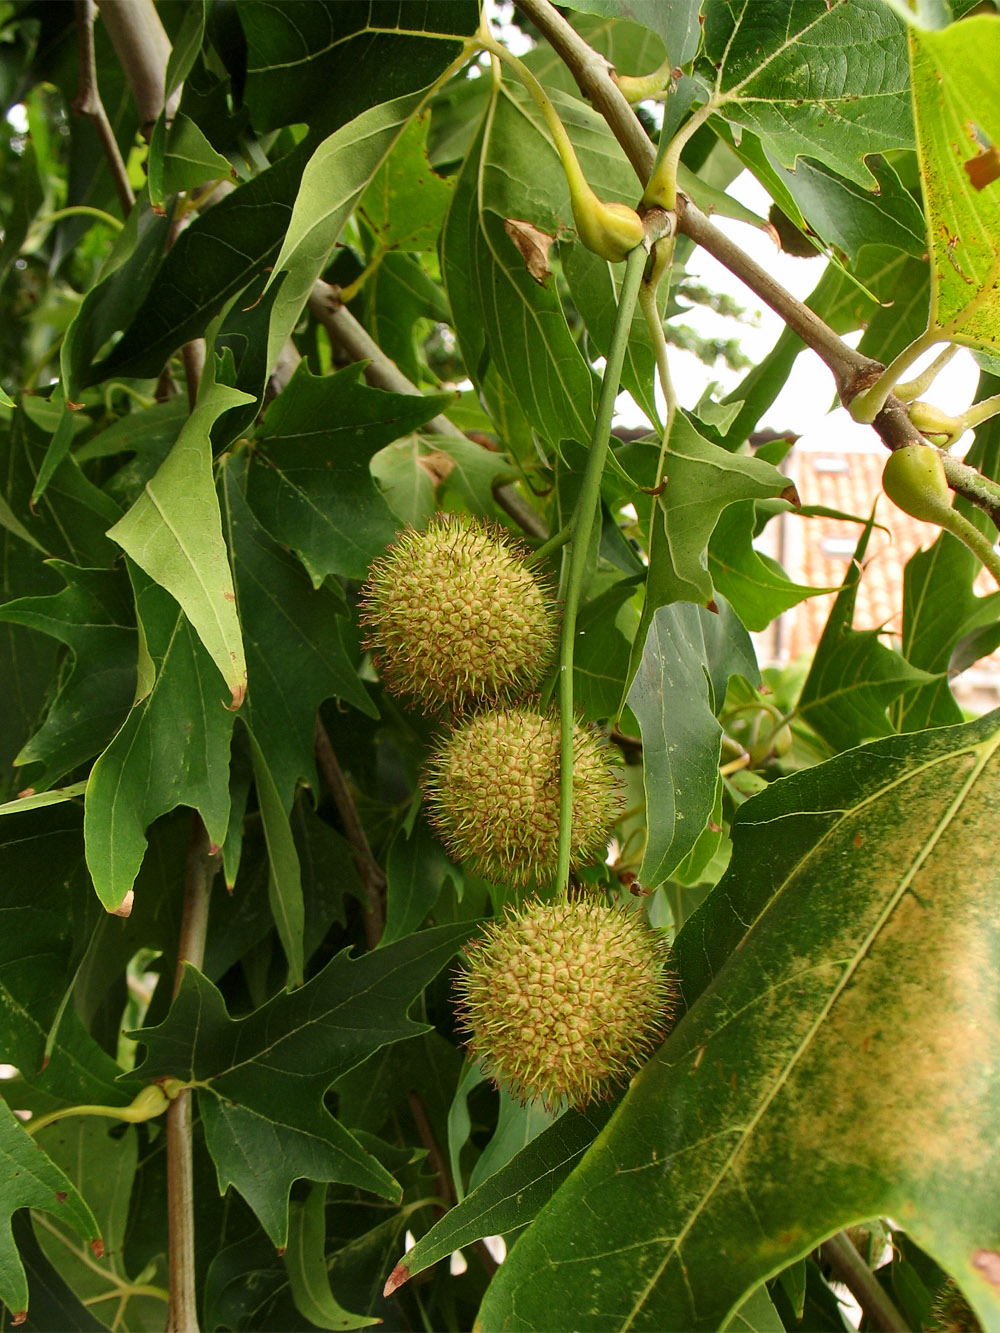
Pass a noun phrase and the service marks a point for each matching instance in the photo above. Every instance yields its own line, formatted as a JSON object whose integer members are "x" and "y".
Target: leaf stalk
{"x": 583, "y": 519}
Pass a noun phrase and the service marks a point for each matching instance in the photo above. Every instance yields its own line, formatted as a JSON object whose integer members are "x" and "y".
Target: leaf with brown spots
{"x": 957, "y": 111}
{"x": 839, "y": 1060}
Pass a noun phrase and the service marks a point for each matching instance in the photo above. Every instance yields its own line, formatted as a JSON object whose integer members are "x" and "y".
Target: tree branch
{"x": 383, "y": 373}
{"x": 87, "y": 102}
{"x": 852, "y": 371}
{"x": 372, "y": 876}
{"x": 850, "y": 1269}
{"x": 143, "y": 49}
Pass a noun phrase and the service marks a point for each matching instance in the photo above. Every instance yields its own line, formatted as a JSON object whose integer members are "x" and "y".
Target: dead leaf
{"x": 983, "y": 168}
{"x": 533, "y": 244}
{"x": 437, "y": 465}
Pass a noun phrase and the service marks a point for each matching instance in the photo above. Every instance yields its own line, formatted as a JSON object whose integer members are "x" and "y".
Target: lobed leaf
{"x": 30, "y": 1179}
{"x": 828, "y": 81}
{"x": 261, "y": 1078}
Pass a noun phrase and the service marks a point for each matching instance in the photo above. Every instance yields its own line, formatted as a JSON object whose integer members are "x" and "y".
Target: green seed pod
{"x": 455, "y": 616}
{"x": 938, "y": 426}
{"x": 492, "y": 790}
{"x": 914, "y": 479}
{"x": 610, "y": 230}
{"x": 565, "y": 999}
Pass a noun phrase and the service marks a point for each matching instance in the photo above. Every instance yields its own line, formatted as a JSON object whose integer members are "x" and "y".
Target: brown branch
{"x": 372, "y": 876}
{"x": 850, "y": 1269}
{"x": 852, "y": 371}
{"x": 87, "y": 102}
{"x": 143, "y": 49}
{"x": 383, "y": 373}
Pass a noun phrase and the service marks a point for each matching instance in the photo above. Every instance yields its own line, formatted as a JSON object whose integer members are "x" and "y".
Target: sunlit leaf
{"x": 958, "y": 120}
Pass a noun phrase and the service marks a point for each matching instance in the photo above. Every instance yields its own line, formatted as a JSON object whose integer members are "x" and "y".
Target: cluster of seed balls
{"x": 559, "y": 1000}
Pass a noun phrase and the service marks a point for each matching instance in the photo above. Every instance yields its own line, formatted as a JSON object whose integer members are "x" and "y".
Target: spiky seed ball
{"x": 565, "y": 999}
{"x": 492, "y": 790}
{"x": 951, "y": 1312}
{"x": 456, "y": 617}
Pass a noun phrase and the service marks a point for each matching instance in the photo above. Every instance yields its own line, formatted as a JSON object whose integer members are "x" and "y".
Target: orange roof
{"x": 818, "y": 550}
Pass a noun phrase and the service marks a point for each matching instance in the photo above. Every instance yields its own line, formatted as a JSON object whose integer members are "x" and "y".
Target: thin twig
{"x": 850, "y": 1269}
{"x": 87, "y": 102}
{"x": 372, "y": 876}
{"x": 202, "y": 863}
{"x": 383, "y": 373}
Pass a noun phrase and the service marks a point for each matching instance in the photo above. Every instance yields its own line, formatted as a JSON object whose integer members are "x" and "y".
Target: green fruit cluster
{"x": 560, "y": 1000}
{"x": 492, "y": 791}
{"x": 565, "y": 1000}
{"x": 456, "y": 618}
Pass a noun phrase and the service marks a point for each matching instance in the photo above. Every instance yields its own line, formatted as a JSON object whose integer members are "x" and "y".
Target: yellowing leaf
{"x": 957, "y": 107}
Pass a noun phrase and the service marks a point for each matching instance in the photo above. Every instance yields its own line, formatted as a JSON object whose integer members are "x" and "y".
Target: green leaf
{"x": 756, "y": 1315}
{"x": 405, "y": 202}
{"x": 416, "y": 869}
{"x": 213, "y": 260}
{"x": 128, "y": 274}
{"x": 52, "y": 1303}
{"x": 939, "y": 610}
{"x": 305, "y": 1264}
{"x": 174, "y": 533}
{"x": 284, "y": 880}
{"x": 101, "y": 1161}
{"x": 606, "y": 628}
{"x": 757, "y": 586}
{"x": 30, "y": 1179}
{"x": 850, "y": 217}
{"x": 806, "y": 83}
{"x": 853, "y": 677}
{"x": 94, "y": 617}
{"x": 312, "y": 1035}
{"x": 262, "y": 1157}
{"x": 500, "y": 312}
{"x": 332, "y": 183}
{"x": 296, "y": 657}
{"x": 841, "y": 982}
{"x": 511, "y": 1197}
{"x": 188, "y": 161}
{"x": 401, "y": 298}
{"x": 958, "y": 119}
{"x": 320, "y": 63}
{"x": 701, "y": 480}
{"x": 172, "y": 749}
{"x": 28, "y": 197}
{"x": 689, "y": 655}
{"x": 44, "y": 935}
{"x": 310, "y": 482}
{"x": 677, "y": 23}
